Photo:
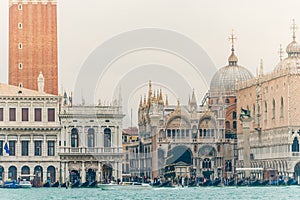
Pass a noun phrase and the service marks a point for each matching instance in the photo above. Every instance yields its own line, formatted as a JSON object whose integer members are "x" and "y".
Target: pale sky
{"x": 83, "y": 25}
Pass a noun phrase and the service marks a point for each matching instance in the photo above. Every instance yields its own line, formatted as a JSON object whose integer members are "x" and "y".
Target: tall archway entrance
{"x": 12, "y": 173}
{"x": 297, "y": 171}
{"x": 24, "y": 171}
{"x": 1, "y": 172}
{"x": 74, "y": 176}
{"x": 90, "y": 175}
{"x": 51, "y": 175}
{"x": 107, "y": 172}
{"x": 38, "y": 176}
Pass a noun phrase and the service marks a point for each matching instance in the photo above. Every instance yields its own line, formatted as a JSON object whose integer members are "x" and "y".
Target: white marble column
{"x": 115, "y": 169}
{"x": 120, "y": 170}
{"x": 98, "y": 178}
{"x": 83, "y": 173}
{"x": 66, "y": 172}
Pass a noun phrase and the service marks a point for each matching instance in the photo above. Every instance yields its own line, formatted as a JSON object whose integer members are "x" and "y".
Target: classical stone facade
{"x": 91, "y": 142}
{"x": 29, "y": 125}
{"x": 33, "y": 44}
{"x": 273, "y": 100}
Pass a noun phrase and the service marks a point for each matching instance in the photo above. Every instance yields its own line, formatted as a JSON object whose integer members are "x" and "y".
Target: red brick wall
{"x": 39, "y": 39}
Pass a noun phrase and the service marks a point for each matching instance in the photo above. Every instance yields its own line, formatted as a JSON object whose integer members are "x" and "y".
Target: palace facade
{"x": 91, "y": 142}
{"x": 29, "y": 125}
{"x": 273, "y": 100}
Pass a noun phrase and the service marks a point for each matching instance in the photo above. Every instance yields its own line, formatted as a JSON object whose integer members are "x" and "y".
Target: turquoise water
{"x": 291, "y": 192}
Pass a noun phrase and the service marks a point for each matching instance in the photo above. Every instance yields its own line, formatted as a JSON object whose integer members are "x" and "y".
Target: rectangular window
{"x": 24, "y": 148}
{"x": 25, "y": 114}
{"x": 1, "y": 147}
{"x": 12, "y": 148}
{"x": 51, "y": 148}
{"x": 51, "y": 115}
{"x": 38, "y": 114}
{"x": 12, "y": 114}
{"x": 1, "y": 114}
{"x": 37, "y": 148}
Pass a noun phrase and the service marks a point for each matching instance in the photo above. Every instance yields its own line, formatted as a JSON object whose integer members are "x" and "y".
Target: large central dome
{"x": 224, "y": 80}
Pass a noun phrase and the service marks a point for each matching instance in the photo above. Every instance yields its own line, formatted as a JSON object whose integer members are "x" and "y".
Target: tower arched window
{"x": 254, "y": 110}
{"x": 281, "y": 107}
{"x": 227, "y": 125}
{"x": 234, "y": 125}
{"x": 295, "y": 145}
{"x": 74, "y": 137}
{"x": 266, "y": 110}
{"x": 273, "y": 109}
{"x": 91, "y": 137}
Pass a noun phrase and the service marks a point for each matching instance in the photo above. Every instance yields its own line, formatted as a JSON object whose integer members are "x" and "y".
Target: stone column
{"x": 44, "y": 146}
{"x": 120, "y": 170}
{"x": 61, "y": 172}
{"x": 66, "y": 171}
{"x": 83, "y": 175}
{"x": 18, "y": 147}
{"x": 114, "y": 171}
{"x": 246, "y": 148}
{"x": 67, "y": 137}
{"x": 98, "y": 173}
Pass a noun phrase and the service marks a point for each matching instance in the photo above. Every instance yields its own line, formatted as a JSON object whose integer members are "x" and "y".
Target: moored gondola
{"x": 76, "y": 184}
{"x": 85, "y": 184}
{"x": 56, "y": 184}
{"x": 93, "y": 184}
{"x": 46, "y": 184}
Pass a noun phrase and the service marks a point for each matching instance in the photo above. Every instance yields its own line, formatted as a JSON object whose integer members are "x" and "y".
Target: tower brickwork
{"x": 33, "y": 44}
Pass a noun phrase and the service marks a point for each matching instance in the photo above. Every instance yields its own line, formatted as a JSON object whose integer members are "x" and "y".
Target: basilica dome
{"x": 224, "y": 80}
{"x": 292, "y": 62}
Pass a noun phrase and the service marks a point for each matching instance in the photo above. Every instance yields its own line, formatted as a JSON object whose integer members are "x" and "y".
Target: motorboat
{"x": 125, "y": 186}
{"x": 25, "y": 184}
{"x": 11, "y": 184}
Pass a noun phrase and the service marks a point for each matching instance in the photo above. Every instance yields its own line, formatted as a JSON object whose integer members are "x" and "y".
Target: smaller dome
{"x": 293, "y": 48}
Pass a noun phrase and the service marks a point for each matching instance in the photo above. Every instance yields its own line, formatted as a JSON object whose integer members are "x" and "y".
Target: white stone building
{"x": 91, "y": 142}
{"x": 29, "y": 124}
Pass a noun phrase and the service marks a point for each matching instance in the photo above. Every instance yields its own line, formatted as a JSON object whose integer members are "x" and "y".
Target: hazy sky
{"x": 83, "y": 25}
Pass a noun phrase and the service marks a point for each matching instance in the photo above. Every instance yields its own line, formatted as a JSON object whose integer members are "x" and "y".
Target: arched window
{"x": 228, "y": 166}
{"x": 51, "y": 175}
{"x": 281, "y": 107}
{"x": 227, "y": 125}
{"x": 227, "y": 100}
{"x": 295, "y": 145}
{"x": 25, "y": 170}
{"x": 266, "y": 111}
{"x": 233, "y": 115}
{"x": 38, "y": 175}
{"x": 74, "y": 137}
{"x": 206, "y": 164}
{"x": 273, "y": 109}
{"x": 91, "y": 137}
{"x": 107, "y": 137}
{"x": 253, "y": 110}
{"x": 234, "y": 125}
{"x": 12, "y": 173}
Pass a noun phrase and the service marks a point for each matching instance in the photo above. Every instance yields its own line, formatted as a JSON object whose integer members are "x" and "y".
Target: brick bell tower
{"x": 33, "y": 44}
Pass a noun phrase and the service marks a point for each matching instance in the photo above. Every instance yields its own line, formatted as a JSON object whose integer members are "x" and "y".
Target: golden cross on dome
{"x": 280, "y": 52}
{"x": 294, "y": 28}
{"x": 232, "y": 38}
